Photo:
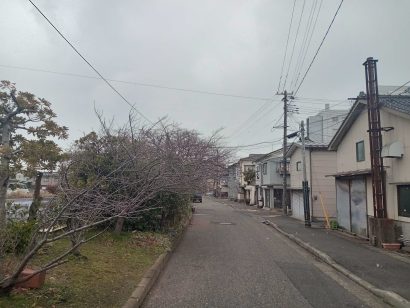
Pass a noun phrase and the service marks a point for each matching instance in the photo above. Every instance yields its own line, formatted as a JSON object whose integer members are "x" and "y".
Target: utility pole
{"x": 305, "y": 184}
{"x": 375, "y": 138}
{"x": 285, "y": 145}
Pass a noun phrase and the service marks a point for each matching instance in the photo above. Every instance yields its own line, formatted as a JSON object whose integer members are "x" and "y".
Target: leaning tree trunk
{"x": 32, "y": 215}
{"x": 4, "y": 181}
{"x": 4, "y": 172}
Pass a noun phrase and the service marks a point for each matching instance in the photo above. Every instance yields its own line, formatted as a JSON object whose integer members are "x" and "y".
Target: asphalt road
{"x": 228, "y": 258}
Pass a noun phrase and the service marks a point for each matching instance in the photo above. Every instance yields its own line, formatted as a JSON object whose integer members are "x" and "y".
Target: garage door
{"x": 351, "y": 205}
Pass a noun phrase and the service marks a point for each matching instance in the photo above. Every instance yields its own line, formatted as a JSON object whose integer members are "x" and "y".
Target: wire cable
{"x": 89, "y": 64}
{"x": 308, "y": 25}
{"x": 309, "y": 42}
{"x": 141, "y": 84}
{"x": 403, "y": 85}
{"x": 320, "y": 46}
{"x": 294, "y": 43}
{"x": 286, "y": 48}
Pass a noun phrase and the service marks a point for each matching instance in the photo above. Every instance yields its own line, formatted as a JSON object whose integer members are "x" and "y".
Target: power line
{"x": 309, "y": 41}
{"x": 142, "y": 84}
{"x": 89, "y": 64}
{"x": 165, "y": 87}
{"x": 304, "y": 41}
{"x": 298, "y": 98}
{"x": 253, "y": 144}
{"x": 253, "y": 118}
{"x": 294, "y": 43}
{"x": 286, "y": 48}
{"x": 403, "y": 85}
{"x": 317, "y": 51}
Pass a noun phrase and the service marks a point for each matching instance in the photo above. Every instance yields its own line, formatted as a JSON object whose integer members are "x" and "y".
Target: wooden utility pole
{"x": 285, "y": 145}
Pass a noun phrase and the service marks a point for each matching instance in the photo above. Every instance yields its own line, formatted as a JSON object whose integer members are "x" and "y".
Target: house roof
{"x": 398, "y": 103}
{"x": 251, "y": 157}
{"x": 308, "y": 145}
{"x": 351, "y": 173}
{"x": 269, "y": 155}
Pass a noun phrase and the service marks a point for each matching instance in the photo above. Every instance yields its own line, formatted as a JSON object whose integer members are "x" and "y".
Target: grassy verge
{"x": 108, "y": 271}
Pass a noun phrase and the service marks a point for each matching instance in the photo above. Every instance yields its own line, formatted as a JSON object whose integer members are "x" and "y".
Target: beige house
{"x": 247, "y": 191}
{"x": 353, "y": 167}
{"x": 269, "y": 179}
{"x": 322, "y": 194}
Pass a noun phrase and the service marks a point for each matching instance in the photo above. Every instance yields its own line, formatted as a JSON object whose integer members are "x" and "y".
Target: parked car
{"x": 197, "y": 197}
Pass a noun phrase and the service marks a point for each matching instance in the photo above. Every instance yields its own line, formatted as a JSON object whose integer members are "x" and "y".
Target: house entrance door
{"x": 267, "y": 198}
{"x": 297, "y": 204}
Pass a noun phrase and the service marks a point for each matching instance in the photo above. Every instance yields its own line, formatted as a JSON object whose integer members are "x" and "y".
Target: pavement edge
{"x": 389, "y": 297}
{"x": 151, "y": 275}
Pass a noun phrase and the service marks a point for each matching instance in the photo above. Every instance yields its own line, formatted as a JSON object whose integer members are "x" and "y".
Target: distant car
{"x": 197, "y": 197}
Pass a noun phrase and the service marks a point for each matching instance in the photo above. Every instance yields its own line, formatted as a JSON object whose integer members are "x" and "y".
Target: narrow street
{"x": 228, "y": 258}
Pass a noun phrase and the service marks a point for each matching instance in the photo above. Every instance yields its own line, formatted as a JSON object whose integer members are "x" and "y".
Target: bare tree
{"x": 113, "y": 175}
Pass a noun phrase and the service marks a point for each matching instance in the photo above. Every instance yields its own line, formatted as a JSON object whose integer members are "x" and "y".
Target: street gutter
{"x": 389, "y": 297}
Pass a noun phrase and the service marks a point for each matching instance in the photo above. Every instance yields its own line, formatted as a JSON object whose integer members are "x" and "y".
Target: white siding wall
{"x": 323, "y": 163}
{"x": 397, "y": 168}
{"x": 296, "y": 177}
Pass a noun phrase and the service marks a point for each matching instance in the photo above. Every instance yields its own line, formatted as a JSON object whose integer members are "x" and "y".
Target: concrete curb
{"x": 151, "y": 275}
{"x": 389, "y": 297}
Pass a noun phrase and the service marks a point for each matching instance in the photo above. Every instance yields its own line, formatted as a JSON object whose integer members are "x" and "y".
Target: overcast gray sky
{"x": 234, "y": 47}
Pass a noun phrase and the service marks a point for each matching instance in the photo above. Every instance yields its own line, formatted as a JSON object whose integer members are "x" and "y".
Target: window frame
{"x": 299, "y": 166}
{"x": 360, "y": 158}
{"x": 402, "y": 212}
{"x": 265, "y": 168}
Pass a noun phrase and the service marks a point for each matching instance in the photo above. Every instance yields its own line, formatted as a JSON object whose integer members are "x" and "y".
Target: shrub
{"x": 17, "y": 236}
{"x": 168, "y": 211}
{"x": 334, "y": 225}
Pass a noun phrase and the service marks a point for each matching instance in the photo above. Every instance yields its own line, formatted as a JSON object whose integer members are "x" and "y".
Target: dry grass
{"x": 105, "y": 275}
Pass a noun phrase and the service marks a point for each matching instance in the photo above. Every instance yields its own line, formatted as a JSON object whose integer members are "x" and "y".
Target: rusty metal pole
{"x": 375, "y": 138}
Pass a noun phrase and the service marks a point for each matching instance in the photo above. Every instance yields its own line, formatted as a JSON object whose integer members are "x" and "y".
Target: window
{"x": 403, "y": 192}
{"x": 265, "y": 168}
{"x": 279, "y": 167}
{"x": 360, "y": 151}
{"x": 249, "y": 167}
{"x": 298, "y": 166}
